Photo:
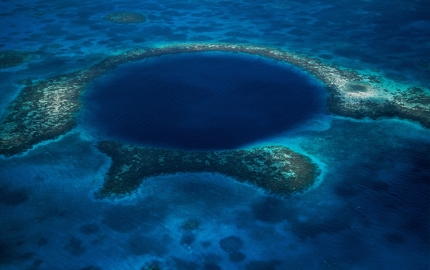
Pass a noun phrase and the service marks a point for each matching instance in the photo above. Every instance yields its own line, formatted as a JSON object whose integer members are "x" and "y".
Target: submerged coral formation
{"x": 13, "y": 58}
{"x": 191, "y": 224}
{"x": 42, "y": 111}
{"x": 125, "y": 17}
{"x": 276, "y": 169}
{"x": 47, "y": 109}
{"x": 152, "y": 266}
{"x": 369, "y": 100}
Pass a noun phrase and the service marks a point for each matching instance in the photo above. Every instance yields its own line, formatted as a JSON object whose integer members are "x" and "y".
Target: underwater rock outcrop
{"x": 46, "y": 109}
{"x": 42, "y": 111}
{"x": 13, "y": 58}
{"x": 125, "y": 17}
{"x": 276, "y": 169}
{"x": 412, "y": 103}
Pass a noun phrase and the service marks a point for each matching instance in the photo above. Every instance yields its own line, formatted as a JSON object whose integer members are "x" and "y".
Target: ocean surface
{"x": 202, "y": 101}
{"x": 369, "y": 209}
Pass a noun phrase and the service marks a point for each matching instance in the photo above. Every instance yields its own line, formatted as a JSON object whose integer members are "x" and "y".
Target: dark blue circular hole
{"x": 201, "y": 100}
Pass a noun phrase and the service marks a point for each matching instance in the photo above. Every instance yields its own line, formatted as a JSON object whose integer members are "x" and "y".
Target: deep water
{"x": 201, "y": 101}
{"x": 369, "y": 210}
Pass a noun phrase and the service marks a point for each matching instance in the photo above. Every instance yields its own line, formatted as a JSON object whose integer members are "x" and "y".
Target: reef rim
{"x": 47, "y": 109}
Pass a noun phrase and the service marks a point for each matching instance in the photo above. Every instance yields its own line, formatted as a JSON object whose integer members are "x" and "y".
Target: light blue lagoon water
{"x": 369, "y": 209}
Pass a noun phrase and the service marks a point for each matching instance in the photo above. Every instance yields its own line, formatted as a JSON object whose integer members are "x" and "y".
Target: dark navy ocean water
{"x": 202, "y": 101}
{"x": 370, "y": 208}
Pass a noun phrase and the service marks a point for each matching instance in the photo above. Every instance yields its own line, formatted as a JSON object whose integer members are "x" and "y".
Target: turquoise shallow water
{"x": 370, "y": 209}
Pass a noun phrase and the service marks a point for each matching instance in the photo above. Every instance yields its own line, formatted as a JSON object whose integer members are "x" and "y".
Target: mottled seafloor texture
{"x": 72, "y": 198}
{"x": 275, "y": 169}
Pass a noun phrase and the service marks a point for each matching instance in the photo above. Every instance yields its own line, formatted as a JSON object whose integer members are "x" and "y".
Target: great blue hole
{"x": 201, "y": 101}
